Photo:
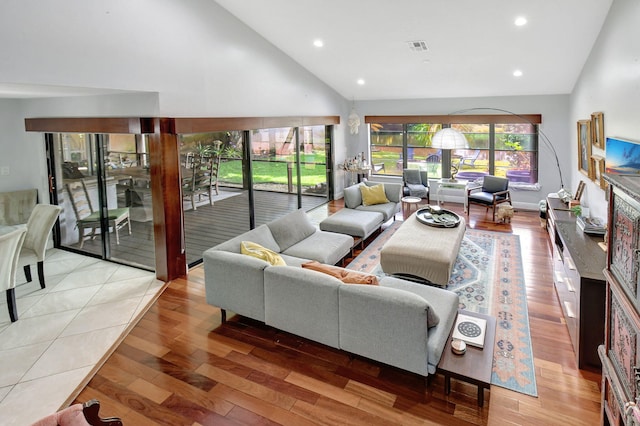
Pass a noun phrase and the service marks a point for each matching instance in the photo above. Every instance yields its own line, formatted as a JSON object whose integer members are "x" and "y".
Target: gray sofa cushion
{"x": 353, "y": 222}
{"x": 291, "y": 229}
{"x": 325, "y": 247}
{"x": 302, "y": 302}
{"x": 386, "y": 325}
{"x": 352, "y": 196}
{"x": 443, "y": 302}
{"x": 260, "y": 235}
{"x": 388, "y": 210}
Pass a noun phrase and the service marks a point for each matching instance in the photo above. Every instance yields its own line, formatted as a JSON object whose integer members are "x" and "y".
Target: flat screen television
{"x": 622, "y": 157}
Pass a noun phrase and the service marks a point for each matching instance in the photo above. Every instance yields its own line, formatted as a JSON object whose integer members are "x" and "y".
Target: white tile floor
{"x": 64, "y": 330}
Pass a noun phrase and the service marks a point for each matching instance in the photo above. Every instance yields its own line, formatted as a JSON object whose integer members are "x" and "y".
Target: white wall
{"x": 25, "y": 160}
{"x": 187, "y": 58}
{"x": 199, "y": 58}
{"x": 555, "y": 124}
{"x": 609, "y": 82}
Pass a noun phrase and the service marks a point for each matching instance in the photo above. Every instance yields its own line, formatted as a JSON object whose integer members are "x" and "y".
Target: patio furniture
{"x": 433, "y": 160}
{"x": 494, "y": 191}
{"x": 470, "y": 160}
{"x": 204, "y": 179}
{"x": 87, "y": 218}
{"x": 379, "y": 168}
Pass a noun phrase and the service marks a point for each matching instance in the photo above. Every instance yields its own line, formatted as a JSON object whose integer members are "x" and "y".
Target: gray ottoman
{"x": 422, "y": 251}
{"x": 356, "y": 223}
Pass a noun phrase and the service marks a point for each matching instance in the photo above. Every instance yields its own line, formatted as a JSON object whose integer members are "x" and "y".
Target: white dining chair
{"x": 34, "y": 248}
{"x": 10, "y": 245}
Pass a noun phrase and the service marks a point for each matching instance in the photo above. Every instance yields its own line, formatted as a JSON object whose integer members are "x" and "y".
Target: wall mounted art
{"x": 584, "y": 147}
{"x": 598, "y": 170}
{"x": 623, "y": 157}
{"x": 597, "y": 129}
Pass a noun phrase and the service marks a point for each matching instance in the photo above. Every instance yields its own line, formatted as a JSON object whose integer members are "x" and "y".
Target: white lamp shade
{"x": 449, "y": 139}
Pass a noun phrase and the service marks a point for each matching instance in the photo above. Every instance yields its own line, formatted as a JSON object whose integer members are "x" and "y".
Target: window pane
{"x": 473, "y": 162}
{"x": 313, "y": 160}
{"x": 420, "y": 155}
{"x": 509, "y": 150}
{"x": 516, "y": 147}
{"x": 386, "y": 149}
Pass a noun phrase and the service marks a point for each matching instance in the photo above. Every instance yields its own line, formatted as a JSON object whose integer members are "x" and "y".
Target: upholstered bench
{"x": 422, "y": 251}
{"x": 356, "y": 223}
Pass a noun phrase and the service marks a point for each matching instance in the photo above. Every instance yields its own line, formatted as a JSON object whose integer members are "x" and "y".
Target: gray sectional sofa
{"x": 400, "y": 323}
{"x": 359, "y": 220}
{"x": 393, "y": 191}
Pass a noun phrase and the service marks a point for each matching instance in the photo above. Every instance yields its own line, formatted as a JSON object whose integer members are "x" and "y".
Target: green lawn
{"x": 272, "y": 172}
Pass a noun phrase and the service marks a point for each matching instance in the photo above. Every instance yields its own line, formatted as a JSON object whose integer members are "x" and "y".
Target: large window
{"x": 507, "y": 149}
{"x": 87, "y": 188}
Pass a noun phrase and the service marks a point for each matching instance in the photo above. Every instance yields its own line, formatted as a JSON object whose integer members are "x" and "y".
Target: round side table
{"x": 407, "y": 202}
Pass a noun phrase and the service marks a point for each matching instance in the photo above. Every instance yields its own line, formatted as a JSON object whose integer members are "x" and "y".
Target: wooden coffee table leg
{"x": 447, "y": 384}
{"x": 480, "y": 396}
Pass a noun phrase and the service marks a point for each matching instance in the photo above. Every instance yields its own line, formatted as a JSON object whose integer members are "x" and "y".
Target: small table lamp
{"x": 449, "y": 139}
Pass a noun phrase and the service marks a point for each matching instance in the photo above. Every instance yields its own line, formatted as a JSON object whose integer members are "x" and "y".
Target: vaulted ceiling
{"x": 471, "y": 48}
{"x": 413, "y": 49}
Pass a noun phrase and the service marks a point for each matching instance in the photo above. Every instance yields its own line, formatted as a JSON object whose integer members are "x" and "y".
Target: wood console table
{"x": 578, "y": 264}
{"x": 475, "y": 366}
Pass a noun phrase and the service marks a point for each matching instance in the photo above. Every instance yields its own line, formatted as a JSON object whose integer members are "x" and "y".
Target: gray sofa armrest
{"x": 385, "y": 324}
{"x": 235, "y": 282}
{"x": 443, "y": 302}
{"x": 302, "y": 302}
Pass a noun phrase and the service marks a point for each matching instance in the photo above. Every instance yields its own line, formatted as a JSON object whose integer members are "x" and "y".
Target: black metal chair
{"x": 494, "y": 191}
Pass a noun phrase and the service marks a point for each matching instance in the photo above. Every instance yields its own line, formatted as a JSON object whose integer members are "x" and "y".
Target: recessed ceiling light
{"x": 520, "y": 21}
{"x": 318, "y": 43}
{"x": 361, "y": 82}
{"x": 517, "y": 73}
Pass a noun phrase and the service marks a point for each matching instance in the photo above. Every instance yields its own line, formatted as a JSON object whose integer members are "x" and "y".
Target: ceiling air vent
{"x": 418, "y": 46}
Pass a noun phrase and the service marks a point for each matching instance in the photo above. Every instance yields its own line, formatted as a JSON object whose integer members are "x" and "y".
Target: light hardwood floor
{"x": 178, "y": 366}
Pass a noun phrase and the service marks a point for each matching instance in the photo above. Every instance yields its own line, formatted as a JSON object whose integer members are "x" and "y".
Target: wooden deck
{"x": 206, "y": 226}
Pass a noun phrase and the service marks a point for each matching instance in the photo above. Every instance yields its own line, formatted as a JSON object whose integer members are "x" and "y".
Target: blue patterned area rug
{"x": 488, "y": 277}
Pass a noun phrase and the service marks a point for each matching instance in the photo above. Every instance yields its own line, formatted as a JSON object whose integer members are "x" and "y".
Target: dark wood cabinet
{"x": 578, "y": 264}
{"x": 620, "y": 352}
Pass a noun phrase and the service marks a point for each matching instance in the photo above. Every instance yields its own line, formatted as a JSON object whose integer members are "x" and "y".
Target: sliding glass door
{"x": 102, "y": 183}
{"x": 215, "y": 198}
{"x": 289, "y": 170}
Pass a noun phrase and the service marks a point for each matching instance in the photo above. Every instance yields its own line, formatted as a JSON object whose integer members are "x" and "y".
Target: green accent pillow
{"x": 372, "y": 195}
{"x": 259, "y": 252}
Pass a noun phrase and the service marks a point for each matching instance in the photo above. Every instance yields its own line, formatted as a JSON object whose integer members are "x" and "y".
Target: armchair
{"x": 33, "y": 250}
{"x": 415, "y": 183}
{"x": 494, "y": 191}
{"x": 87, "y": 218}
{"x": 10, "y": 244}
